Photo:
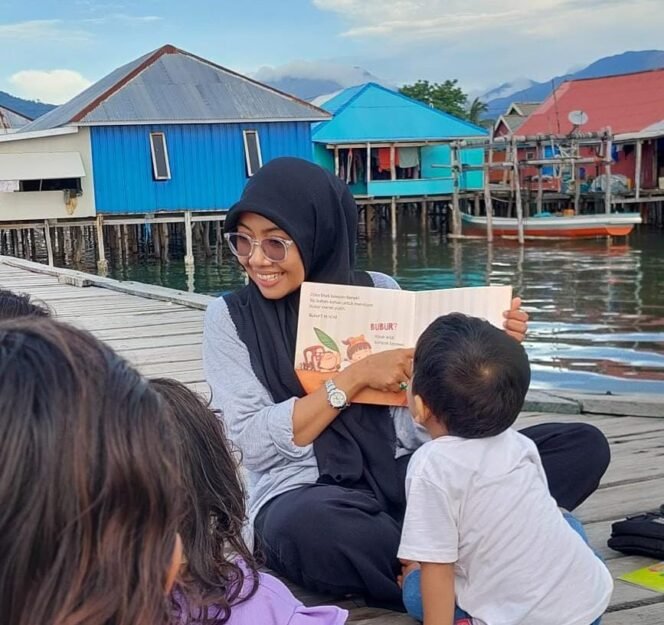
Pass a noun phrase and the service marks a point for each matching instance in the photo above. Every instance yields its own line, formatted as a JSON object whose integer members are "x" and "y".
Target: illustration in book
{"x": 340, "y": 325}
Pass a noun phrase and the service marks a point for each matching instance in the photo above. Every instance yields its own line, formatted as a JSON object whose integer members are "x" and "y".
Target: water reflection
{"x": 596, "y": 307}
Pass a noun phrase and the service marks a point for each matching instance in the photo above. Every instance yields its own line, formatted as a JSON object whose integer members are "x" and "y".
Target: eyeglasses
{"x": 273, "y": 248}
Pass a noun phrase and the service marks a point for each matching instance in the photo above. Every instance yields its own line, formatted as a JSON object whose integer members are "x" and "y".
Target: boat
{"x": 556, "y": 227}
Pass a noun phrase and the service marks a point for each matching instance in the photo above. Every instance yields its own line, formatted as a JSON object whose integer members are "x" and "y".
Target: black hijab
{"x": 318, "y": 212}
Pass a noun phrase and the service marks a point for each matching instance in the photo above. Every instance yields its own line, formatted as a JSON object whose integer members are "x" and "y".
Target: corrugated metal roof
{"x": 173, "y": 86}
{"x": 12, "y": 120}
{"x": 335, "y": 101}
{"x": 626, "y": 103}
{"x": 513, "y": 122}
{"x": 373, "y": 113}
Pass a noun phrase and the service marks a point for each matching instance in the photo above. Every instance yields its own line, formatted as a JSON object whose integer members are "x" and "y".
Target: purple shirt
{"x": 274, "y": 604}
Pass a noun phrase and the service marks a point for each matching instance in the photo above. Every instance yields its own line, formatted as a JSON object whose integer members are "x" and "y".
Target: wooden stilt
{"x": 164, "y": 240}
{"x": 488, "y": 203}
{"x": 393, "y": 218}
{"x": 456, "y": 211}
{"x": 607, "y": 173}
{"x": 206, "y": 239}
{"x": 49, "y": 242}
{"x": 219, "y": 239}
{"x": 156, "y": 239}
{"x": 637, "y": 169}
{"x": 517, "y": 192}
{"x": 102, "y": 263}
{"x": 189, "y": 242}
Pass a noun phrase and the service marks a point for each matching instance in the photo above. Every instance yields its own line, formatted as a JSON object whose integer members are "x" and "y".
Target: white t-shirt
{"x": 484, "y": 504}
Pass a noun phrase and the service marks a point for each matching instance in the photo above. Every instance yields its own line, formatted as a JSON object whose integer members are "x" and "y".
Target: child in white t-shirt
{"x": 482, "y": 537}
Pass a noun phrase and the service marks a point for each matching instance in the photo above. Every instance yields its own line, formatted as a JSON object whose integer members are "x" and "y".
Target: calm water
{"x": 596, "y": 307}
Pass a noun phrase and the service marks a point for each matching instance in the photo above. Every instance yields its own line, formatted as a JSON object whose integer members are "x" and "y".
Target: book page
{"x": 339, "y": 325}
{"x": 485, "y": 302}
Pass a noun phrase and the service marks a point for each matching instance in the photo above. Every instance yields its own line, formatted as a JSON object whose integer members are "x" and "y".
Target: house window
{"x": 161, "y": 169}
{"x": 252, "y": 152}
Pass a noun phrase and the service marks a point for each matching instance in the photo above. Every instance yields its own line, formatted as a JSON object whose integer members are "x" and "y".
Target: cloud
{"x": 418, "y": 20}
{"x": 345, "y": 75}
{"x": 54, "y": 86}
{"x": 42, "y": 30}
{"x": 124, "y": 18}
{"x": 484, "y": 43}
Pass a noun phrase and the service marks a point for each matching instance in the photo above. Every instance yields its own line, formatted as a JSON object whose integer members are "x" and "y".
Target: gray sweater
{"x": 261, "y": 428}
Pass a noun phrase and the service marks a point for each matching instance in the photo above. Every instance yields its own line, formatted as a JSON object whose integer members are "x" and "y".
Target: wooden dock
{"x": 159, "y": 330}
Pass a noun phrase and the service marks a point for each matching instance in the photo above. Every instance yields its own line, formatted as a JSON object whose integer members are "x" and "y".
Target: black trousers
{"x": 340, "y": 541}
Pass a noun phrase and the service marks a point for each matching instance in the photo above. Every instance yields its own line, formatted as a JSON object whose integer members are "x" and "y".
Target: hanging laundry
{"x": 408, "y": 157}
{"x": 384, "y": 160}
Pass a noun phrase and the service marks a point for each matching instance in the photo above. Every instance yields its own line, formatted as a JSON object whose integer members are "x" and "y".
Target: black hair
{"x": 472, "y": 375}
{"x": 15, "y": 305}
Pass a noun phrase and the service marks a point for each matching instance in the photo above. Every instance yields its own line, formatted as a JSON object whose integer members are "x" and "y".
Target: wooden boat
{"x": 556, "y": 227}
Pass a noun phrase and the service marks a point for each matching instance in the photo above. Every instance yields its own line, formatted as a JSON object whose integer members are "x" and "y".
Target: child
{"x": 14, "y": 305}
{"x": 220, "y": 582}
{"x": 480, "y": 520}
{"x": 89, "y": 491}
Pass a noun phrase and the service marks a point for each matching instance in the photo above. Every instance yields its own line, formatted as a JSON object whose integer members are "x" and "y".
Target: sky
{"x": 53, "y": 49}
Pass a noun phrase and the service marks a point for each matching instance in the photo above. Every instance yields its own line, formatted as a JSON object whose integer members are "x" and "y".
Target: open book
{"x": 339, "y": 325}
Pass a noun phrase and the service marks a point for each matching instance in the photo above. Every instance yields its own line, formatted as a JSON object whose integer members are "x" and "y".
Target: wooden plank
{"x": 624, "y": 594}
{"x": 643, "y": 615}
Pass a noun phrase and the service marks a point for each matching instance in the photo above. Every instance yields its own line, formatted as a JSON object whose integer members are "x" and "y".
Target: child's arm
{"x": 437, "y": 586}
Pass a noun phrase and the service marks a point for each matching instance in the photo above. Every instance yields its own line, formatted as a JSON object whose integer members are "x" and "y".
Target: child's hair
{"x": 88, "y": 482}
{"x": 15, "y": 305}
{"x": 471, "y": 375}
{"x": 215, "y": 512}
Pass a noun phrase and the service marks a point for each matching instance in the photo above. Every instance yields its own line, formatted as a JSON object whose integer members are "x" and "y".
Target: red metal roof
{"x": 625, "y": 103}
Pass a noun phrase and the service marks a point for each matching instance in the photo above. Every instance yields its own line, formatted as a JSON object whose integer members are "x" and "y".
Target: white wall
{"x": 37, "y": 205}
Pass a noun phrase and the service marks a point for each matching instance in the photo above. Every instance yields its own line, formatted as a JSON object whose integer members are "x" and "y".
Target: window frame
{"x": 155, "y": 169}
{"x": 259, "y": 152}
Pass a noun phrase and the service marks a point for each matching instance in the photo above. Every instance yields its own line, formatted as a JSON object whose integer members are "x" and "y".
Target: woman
{"x": 88, "y": 484}
{"x": 326, "y": 485}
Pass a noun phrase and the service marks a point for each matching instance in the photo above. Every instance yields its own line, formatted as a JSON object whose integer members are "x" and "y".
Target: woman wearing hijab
{"x": 326, "y": 475}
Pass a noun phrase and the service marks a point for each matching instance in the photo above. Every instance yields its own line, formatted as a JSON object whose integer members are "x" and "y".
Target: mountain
{"x": 506, "y": 89}
{"x": 309, "y": 79}
{"x": 624, "y": 63}
{"x": 29, "y": 108}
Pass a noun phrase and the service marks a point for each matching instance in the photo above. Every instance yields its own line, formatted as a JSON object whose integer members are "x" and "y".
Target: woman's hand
{"x": 386, "y": 371}
{"x": 516, "y": 320}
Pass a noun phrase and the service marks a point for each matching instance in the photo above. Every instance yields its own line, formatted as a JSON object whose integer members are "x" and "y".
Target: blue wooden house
{"x": 169, "y": 131}
{"x": 387, "y": 145}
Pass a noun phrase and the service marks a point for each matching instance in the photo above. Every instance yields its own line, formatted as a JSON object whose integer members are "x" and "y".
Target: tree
{"x": 446, "y": 96}
{"x": 475, "y": 111}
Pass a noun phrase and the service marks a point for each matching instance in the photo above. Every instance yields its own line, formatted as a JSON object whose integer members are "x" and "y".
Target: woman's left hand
{"x": 516, "y": 320}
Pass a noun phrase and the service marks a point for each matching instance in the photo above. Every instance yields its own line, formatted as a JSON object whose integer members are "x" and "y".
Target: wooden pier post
{"x": 424, "y": 215}
{"x": 637, "y": 169}
{"x": 488, "y": 202}
{"x": 49, "y": 242}
{"x": 517, "y": 192}
{"x": 102, "y": 263}
{"x": 336, "y": 161}
{"x": 189, "y": 256}
{"x": 607, "y": 172}
{"x": 393, "y": 217}
{"x": 456, "y": 211}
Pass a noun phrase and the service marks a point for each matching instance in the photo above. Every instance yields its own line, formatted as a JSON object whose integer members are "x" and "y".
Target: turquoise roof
{"x": 372, "y": 113}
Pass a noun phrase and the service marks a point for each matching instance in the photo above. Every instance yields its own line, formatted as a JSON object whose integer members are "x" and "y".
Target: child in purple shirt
{"x": 220, "y": 582}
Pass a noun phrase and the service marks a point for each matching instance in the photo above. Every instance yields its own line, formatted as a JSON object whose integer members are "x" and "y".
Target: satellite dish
{"x": 578, "y": 118}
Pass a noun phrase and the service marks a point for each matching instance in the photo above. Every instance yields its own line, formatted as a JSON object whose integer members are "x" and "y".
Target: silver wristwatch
{"x": 335, "y": 396}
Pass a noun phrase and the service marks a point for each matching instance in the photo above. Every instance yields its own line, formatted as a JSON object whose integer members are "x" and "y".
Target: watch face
{"x": 338, "y": 399}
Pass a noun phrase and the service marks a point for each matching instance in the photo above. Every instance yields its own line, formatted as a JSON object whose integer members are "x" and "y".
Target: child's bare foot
{"x": 407, "y": 567}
